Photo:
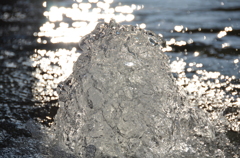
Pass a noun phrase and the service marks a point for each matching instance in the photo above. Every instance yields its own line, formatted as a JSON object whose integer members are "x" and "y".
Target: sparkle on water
{"x": 205, "y": 89}
{"x": 85, "y": 17}
{"x": 55, "y": 66}
{"x": 52, "y": 67}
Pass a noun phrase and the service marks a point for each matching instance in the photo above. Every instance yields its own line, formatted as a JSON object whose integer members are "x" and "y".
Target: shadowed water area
{"x": 39, "y": 45}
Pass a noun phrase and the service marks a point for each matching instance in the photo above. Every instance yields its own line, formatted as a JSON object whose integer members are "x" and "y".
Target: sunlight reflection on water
{"x": 85, "y": 16}
{"x": 68, "y": 25}
{"x": 206, "y": 89}
{"x": 52, "y": 67}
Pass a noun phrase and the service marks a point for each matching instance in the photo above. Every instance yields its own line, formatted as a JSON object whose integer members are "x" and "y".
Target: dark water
{"x": 39, "y": 44}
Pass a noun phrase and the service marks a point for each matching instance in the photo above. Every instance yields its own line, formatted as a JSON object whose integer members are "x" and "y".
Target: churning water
{"x": 39, "y": 44}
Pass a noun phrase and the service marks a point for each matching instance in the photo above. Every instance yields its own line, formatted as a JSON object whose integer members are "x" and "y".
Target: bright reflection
{"x": 74, "y": 5}
{"x": 224, "y": 45}
{"x": 79, "y": 24}
{"x": 221, "y": 34}
{"x": 190, "y": 41}
{"x": 224, "y": 33}
{"x": 178, "y": 28}
{"x": 173, "y": 41}
{"x": 124, "y": 9}
{"x": 44, "y": 4}
{"x": 236, "y": 61}
{"x": 68, "y": 25}
{"x": 102, "y": 5}
{"x": 178, "y": 66}
{"x": 130, "y": 17}
{"x": 167, "y": 49}
{"x": 142, "y": 26}
{"x": 84, "y": 17}
{"x": 196, "y": 54}
{"x": 199, "y": 65}
{"x": 205, "y": 89}
{"x": 51, "y": 68}
{"x": 85, "y": 6}
{"x": 180, "y": 43}
{"x": 228, "y": 29}
{"x": 55, "y": 14}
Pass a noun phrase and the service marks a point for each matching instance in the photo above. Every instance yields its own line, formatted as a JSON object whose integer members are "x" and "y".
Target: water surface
{"x": 39, "y": 45}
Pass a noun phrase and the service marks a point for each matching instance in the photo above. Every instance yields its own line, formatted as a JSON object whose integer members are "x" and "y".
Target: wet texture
{"x": 32, "y": 64}
{"x": 19, "y": 136}
{"x": 122, "y": 101}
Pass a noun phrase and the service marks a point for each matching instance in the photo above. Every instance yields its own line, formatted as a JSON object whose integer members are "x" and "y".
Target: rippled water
{"x": 39, "y": 44}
